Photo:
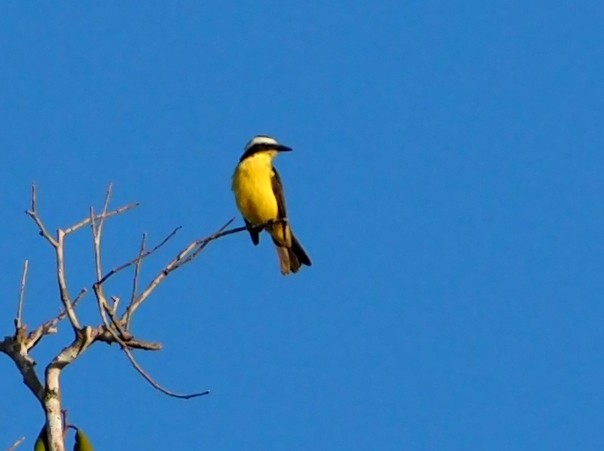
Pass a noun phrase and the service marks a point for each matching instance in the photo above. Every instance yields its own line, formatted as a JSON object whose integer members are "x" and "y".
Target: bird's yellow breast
{"x": 253, "y": 189}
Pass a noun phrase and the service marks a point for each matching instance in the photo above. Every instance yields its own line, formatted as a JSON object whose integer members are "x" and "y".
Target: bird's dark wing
{"x": 278, "y": 191}
{"x": 280, "y": 196}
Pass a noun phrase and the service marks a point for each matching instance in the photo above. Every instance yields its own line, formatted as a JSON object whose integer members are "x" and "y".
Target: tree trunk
{"x": 52, "y": 406}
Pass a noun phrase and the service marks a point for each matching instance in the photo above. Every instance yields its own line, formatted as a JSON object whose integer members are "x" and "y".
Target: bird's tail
{"x": 293, "y": 257}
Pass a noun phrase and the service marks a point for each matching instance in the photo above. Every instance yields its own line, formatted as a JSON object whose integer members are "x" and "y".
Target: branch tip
{"x": 19, "y": 318}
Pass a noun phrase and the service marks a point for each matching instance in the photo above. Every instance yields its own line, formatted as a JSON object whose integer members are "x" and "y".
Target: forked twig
{"x": 33, "y": 213}
{"x": 175, "y": 263}
{"x": 124, "y": 335}
{"x": 49, "y": 327}
{"x": 139, "y": 257}
{"x": 185, "y": 256}
{"x": 85, "y": 222}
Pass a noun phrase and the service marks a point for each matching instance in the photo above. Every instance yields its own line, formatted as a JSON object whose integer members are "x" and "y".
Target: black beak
{"x": 282, "y": 148}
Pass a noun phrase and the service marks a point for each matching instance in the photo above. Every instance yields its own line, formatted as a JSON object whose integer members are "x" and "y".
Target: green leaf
{"x": 82, "y": 442}
{"x": 41, "y": 443}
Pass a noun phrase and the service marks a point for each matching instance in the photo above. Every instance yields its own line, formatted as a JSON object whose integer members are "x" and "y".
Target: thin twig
{"x": 12, "y": 346}
{"x": 139, "y": 257}
{"x": 58, "y": 245}
{"x": 101, "y": 302}
{"x": 146, "y": 375}
{"x": 86, "y": 221}
{"x": 155, "y": 384}
{"x": 174, "y": 264}
{"x": 202, "y": 243}
{"x": 97, "y": 256}
{"x": 135, "y": 278}
{"x": 199, "y": 245}
{"x": 116, "y": 303}
{"x": 49, "y": 327}
{"x": 221, "y": 232}
{"x": 15, "y": 445}
{"x": 18, "y": 319}
{"x": 33, "y": 213}
{"x": 137, "y": 270}
{"x": 62, "y": 281}
{"x": 97, "y": 232}
{"x": 187, "y": 255}
{"x": 124, "y": 335}
{"x": 103, "y": 334}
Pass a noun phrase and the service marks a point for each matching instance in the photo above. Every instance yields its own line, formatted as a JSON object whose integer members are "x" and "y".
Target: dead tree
{"x": 114, "y": 322}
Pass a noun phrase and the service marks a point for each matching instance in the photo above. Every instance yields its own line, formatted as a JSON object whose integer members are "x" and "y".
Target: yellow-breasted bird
{"x": 259, "y": 196}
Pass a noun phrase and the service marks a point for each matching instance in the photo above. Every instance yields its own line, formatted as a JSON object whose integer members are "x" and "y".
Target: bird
{"x": 260, "y": 198}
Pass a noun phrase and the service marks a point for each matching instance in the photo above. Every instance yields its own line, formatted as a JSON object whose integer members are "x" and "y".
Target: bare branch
{"x": 84, "y": 338}
{"x": 86, "y": 221}
{"x": 101, "y": 303}
{"x": 79, "y": 297}
{"x": 15, "y": 349}
{"x": 114, "y": 329}
{"x": 33, "y": 213}
{"x": 106, "y": 204}
{"x": 135, "y": 278}
{"x": 18, "y": 319}
{"x": 221, "y": 232}
{"x": 148, "y": 378}
{"x": 202, "y": 243}
{"x": 141, "y": 255}
{"x": 124, "y": 335}
{"x": 49, "y": 327}
{"x": 97, "y": 233}
{"x": 102, "y": 334}
{"x": 155, "y": 384}
{"x": 137, "y": 270}
{"x": 62, "y": 281}
{"x": 185, "y": 256}
{"x": 175, "y": 263}
{"x": 96, "y": 242}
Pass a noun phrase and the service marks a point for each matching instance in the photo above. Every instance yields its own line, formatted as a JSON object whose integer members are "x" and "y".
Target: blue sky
{"x": 446, "y": 182}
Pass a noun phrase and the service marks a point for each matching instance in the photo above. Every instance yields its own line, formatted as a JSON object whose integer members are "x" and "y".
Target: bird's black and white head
{"x": 263, "y": 144}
